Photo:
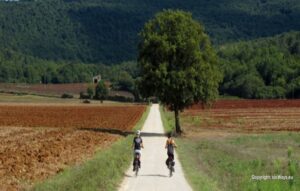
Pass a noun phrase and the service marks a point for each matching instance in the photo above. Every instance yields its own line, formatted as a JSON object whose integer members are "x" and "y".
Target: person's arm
{"x": 174, "y": 144}
{"x": 166, "y": 146}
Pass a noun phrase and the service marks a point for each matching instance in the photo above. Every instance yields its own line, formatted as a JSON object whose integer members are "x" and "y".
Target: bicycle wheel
{"x": 170, "y": 169}
{"x": 136, "y": 166}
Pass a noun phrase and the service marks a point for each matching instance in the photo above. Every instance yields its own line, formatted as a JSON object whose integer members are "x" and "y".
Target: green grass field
{"x": 224, "y": 160}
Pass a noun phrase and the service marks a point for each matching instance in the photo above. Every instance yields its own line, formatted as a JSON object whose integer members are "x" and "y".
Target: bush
{"x": 120, "y": 98}
{"x": 86, "y": 101}
{"x": 90, "y": 91}
{"x": 83, "y": 95}
{"x": 269, "y": 92}
{"x": 67, "y": 96}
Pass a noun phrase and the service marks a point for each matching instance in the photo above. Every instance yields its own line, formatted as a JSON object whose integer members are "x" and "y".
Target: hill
{"x": 262, "y": 68}
{"x": 94, "y": 31}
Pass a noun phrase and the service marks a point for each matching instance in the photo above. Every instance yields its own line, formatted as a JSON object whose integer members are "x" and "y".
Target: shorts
{"x": 137, "y": 152}
{"x": 171, "y": 155}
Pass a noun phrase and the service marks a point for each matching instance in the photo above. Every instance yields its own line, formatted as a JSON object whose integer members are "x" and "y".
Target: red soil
{"x": 40, "y": 141}
{"x": 235, "y": 104}
{"x": 249, "y": 115}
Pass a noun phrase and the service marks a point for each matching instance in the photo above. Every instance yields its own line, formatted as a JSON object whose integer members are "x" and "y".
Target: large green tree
{"x": 178, "y": 64}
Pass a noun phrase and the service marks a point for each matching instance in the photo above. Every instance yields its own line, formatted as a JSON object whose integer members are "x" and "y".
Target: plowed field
{"x": 122, "y": 118}
{"x": 248, "y": 115}
{"x": 55, "y": 89}
{"x": 40, "y": 141}
{"x": 243, "y": 104}
{"x": 44, "y": 89}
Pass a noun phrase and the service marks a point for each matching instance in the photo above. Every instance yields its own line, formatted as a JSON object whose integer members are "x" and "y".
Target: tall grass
{"x": 167, "y": 120}
{"x": 104, "y": 172}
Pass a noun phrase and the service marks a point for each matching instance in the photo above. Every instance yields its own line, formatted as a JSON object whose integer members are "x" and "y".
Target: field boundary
{"x": 103, "y": 172}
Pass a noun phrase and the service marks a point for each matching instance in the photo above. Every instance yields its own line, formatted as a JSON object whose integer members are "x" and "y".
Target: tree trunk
{"x": 177, "y": 122}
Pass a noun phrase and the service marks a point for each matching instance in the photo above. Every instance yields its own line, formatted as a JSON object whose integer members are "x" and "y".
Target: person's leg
{"x": 136, "y": 158}
{"x": 133, "y": 161}
{"x": 172, "y": 159}
{"x": 168, "y": 160}
{"x": 139, "y": 158}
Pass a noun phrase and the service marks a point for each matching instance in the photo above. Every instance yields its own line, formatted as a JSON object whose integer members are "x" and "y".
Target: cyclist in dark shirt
{"x": 137, "y": 145}
{"x": 170, "y": 145}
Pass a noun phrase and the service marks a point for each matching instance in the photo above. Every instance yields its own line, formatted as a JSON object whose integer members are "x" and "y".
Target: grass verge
{"x": 104, "y": 172}
{"x": 231, "y": 162}
{"x": 167, "y": 119}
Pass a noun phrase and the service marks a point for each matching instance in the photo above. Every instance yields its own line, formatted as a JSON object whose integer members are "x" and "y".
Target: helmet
{"x": 138, "y": 132}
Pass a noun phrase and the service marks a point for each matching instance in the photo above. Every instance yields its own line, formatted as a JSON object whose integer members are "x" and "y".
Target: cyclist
{"x": 170, "y": 145}
{"x": 137, "y": 145}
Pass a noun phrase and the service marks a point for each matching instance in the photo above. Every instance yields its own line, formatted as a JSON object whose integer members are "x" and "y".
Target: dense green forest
{"x": 20, "y": 68}
{"x": 105, "y": 31}
{"x": 263, "y": 68}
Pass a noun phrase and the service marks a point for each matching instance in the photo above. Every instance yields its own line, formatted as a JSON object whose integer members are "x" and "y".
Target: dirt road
{"x": 154, "y": 175}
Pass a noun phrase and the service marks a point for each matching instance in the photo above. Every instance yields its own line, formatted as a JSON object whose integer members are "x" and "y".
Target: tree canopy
{"x": 178, "y": 64}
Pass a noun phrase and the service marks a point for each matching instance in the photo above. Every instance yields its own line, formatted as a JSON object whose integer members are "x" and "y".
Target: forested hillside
{"x": 56, "y": 41}
{"x": 20, "y": 68}
{"x": 105, "y": 31}
{"x": 263, "y": 68}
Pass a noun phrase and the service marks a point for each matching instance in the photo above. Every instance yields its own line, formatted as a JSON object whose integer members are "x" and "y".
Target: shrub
{"x": 67, "y": 96}
{"x": 86, "y": 101}
{"x": 83, "y": 95}
{"x": 120, "y": 98}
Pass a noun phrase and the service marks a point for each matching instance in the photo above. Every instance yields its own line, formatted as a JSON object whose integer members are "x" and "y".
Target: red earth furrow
{"x": 236, "y": 104}
{"x": 40, "y": 141}
{"x": 249, "y": 115}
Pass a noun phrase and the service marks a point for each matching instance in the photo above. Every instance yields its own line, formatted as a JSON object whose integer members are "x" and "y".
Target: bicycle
{"x": 136, "y": 163}
{"x": 171, "y": 164}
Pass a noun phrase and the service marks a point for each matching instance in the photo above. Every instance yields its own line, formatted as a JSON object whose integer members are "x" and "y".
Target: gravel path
{"x": 154, "y": 175}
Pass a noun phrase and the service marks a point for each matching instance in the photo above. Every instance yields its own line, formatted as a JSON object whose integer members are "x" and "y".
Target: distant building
{"x": 96, "y": 79}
